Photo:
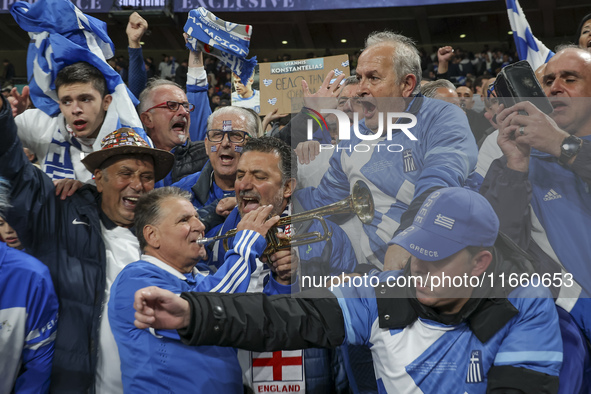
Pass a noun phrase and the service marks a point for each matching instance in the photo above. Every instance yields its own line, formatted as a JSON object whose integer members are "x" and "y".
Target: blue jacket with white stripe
{"x": 399, "y": 170}
{"x": 157, "y": 361}
{"x": 28, "y": 322}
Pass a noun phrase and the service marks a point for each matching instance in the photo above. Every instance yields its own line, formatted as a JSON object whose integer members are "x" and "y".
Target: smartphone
{"x": 517, "y": 82}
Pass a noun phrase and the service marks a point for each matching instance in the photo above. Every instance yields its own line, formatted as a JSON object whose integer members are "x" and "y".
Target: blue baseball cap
{"x": 449, "y": 220}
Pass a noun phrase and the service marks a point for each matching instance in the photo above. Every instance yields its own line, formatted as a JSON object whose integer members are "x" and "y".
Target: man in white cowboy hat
{"x": 85, "y": 241}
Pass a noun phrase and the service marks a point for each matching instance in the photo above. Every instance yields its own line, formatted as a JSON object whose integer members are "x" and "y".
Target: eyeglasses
{"x": 490, "y": 91}
{"x": 174, "y": 106}
{"x": 235, "y": 136}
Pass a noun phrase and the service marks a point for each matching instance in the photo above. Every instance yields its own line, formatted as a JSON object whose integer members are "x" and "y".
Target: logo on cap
{"x": 444, "y": 221}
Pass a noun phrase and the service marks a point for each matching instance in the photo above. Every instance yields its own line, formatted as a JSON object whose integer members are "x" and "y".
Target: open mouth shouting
{"x": 226, "y": 160}
{"x": 79, "y": 124}
{"x": 129, "y": 202}
{"x": 179, "y": 127}
{"x": 248, "y": 202}
{"x": 369, "y": 107}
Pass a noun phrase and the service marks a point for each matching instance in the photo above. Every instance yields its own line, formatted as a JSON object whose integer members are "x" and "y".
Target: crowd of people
{"x": 160, "y": 258}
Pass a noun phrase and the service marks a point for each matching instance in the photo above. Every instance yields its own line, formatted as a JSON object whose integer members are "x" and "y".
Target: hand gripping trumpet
{"x": 360, "y": 202}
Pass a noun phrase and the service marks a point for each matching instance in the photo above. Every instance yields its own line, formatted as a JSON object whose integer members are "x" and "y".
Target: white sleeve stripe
{"x": 236, "y": 274}
{"x": 231, "y": 270}
{"x": 236, "y": 280}
{"x": 47, "y": 341}
{"x": 240, "y": 244}
{"x": 231, "y": 281}
{"x": 240, "y": 280}
{"x": 527, "y": 356}
{"x": 32, "y": 335}
{"x": 247, "y": 244}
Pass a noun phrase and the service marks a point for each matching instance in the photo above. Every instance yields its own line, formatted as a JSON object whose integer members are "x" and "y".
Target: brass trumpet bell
{"x": 360, "y": 202}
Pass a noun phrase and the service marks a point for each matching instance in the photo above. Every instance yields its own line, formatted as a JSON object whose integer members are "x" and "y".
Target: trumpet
{"x": 360, "y": 202}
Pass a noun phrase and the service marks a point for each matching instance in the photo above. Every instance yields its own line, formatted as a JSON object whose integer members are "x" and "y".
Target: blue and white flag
{"x": 62, "y": 35}
{"x": 528, "y": 47}
{"x": 226, "y": 41}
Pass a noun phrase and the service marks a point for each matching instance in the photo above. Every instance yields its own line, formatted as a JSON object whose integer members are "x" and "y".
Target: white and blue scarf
{"x": 226, "y": 41}
{"x": 62, "y": 35}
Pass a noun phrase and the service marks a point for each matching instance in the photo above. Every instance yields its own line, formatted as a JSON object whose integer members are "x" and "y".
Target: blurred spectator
{"x": 227, "y": 91}
{"x": 8, "y": 235}
{"x": 180, "y": 76}
{"x": 478, "y": 123}
{"x": 150, "y": 67}
{"x": 6, "y": 90}
{"x": 162, "y": 64}
{"x": 442, "y": 89}
{"x": 8, "y": 73}
{"x": 32, "y": 157}
{"x": 583, "y": 37}
{"x": 28, "y": 309}
{"x": 214, "y": 102}
{"x": 121, "y": 69}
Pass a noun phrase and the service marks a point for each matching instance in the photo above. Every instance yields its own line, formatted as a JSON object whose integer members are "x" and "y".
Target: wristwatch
{"x": 569, "y": 148}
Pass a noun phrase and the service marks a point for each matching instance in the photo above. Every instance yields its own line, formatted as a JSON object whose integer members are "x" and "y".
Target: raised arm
{"x": 137, "y": 76}
{"x": 197, "y": 95}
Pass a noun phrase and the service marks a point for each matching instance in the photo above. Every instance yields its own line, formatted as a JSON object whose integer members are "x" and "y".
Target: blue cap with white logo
{"x": 449, "y": 220}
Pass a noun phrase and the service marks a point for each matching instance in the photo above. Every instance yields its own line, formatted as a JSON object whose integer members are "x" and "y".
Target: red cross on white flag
{"x": 277, "y": 366}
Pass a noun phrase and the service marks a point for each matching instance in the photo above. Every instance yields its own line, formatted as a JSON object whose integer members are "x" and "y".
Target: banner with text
{"x": 99, "y": 6}
{"x": 281, "y": 82}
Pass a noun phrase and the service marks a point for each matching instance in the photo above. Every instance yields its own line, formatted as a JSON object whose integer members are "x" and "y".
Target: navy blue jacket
{"x": 66, "y": 236}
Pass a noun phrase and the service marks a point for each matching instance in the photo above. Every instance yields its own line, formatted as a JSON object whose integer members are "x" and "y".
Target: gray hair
{"x": 430, "y": 88}
{"x": 152, "y": 85}
{"x": 406, "y": 58}
{"x": 562, "y": 47}
{"x": 352, "y": 80}
{"x": 4, "y": 197}
{"x": 257, "y": 120}
{"x": 251, "y": 124}
{"x": 148, "y": 209}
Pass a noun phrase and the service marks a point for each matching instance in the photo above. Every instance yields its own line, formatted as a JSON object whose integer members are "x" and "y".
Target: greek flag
{"x": 475, "y": 372}
{"x": 528, "y": 47}
{"x": 227, "y": 41}
{"x": 62, "y": 35}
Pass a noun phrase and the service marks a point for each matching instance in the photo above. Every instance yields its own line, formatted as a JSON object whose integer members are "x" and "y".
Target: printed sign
{"x": 282, "y": 81}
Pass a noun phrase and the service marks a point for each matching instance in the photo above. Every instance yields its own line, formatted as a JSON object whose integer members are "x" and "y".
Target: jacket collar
{"x": 486, "y": 312}
{"x": 204, "y": 183}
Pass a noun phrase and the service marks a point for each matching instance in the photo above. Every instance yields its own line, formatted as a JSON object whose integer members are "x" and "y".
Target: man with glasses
{"x": 227, "y": 130}
{"x": 175, "y": 121}
{"x": 166, "y": 115}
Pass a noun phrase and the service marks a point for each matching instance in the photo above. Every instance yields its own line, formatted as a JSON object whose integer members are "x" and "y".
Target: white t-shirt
{"x": 122, "y": 248}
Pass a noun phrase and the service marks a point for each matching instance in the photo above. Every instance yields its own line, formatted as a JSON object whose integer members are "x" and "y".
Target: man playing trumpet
{"x": 266, "y": 176}
{"x": 167, "y": 227}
